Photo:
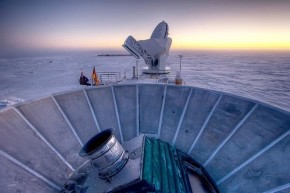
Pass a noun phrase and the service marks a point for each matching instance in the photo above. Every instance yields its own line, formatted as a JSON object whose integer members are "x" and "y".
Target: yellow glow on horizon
{"x": 233, "y": 39}
{"x": 232, "y": 45}
{"x": 187, "y": 39}
{"x": 179, "y": 44}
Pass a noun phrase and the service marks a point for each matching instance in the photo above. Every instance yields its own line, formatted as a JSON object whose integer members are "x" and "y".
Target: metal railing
{"x": 110, "y": 77}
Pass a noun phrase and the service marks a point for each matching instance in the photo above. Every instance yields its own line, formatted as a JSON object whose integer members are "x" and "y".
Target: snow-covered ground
{"x": 261, "y": 76}
{"x": 31, "y": 77}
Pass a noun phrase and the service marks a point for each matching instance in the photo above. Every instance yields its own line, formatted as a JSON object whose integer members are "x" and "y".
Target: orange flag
{"x": 95, "y": 79}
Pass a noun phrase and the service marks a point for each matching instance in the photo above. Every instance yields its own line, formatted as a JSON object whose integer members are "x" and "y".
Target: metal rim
{"x": 96, "y": 143}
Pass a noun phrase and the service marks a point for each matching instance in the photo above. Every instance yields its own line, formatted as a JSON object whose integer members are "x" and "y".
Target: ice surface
{"x": 263, "y": 76}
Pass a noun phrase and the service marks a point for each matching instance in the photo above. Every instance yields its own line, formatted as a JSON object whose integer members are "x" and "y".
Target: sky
{"x": 105, "y": 24}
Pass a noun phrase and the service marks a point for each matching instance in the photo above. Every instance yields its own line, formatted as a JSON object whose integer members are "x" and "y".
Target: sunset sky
{"x": 195, "y": 24}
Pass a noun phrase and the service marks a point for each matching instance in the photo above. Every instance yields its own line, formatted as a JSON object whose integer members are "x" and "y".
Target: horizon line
{"x": 121, "y": 48}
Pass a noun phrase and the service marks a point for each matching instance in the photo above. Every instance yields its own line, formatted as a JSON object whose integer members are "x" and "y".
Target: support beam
{"x": 44, "y": 139}
{"x": 162, "y": 110}
{"x": 36, "y": 174}
{"x": 279, "y": 188}
{"x": 67, "y": 120}
{"x": 181, "y": 118}
{"x": 117, "y": 114}
{"x": 137, "y": 111}
{"x": 253, "y": 158}
{"x": 231, "y": 134}
{"x": 204, "y": 124}
{"x": 92, "y": 110}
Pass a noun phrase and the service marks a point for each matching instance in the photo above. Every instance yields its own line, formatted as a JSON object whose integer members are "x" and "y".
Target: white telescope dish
{"x": 154, "y": 51}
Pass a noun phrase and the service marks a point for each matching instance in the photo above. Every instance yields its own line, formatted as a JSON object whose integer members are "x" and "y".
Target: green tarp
{"x": 162, "y": 167}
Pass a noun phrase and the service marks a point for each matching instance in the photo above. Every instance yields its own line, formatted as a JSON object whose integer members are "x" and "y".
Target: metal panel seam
{"x": 161, "y": 112}
{"x": 117, "y": 113}
{"x": 137, "y": 111}
{"x": 44, "y": 139}
{"x": 12, "y": 159}
{"x": 67, "y": 120}
{"x": 204, "y": 124}
{"x": 231, "y": 134}
{"x": 279, "y": 188}
{"x": 253, "y": 157}
{"x": 92, "y": 110}
{"x": 182, "y": 117}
